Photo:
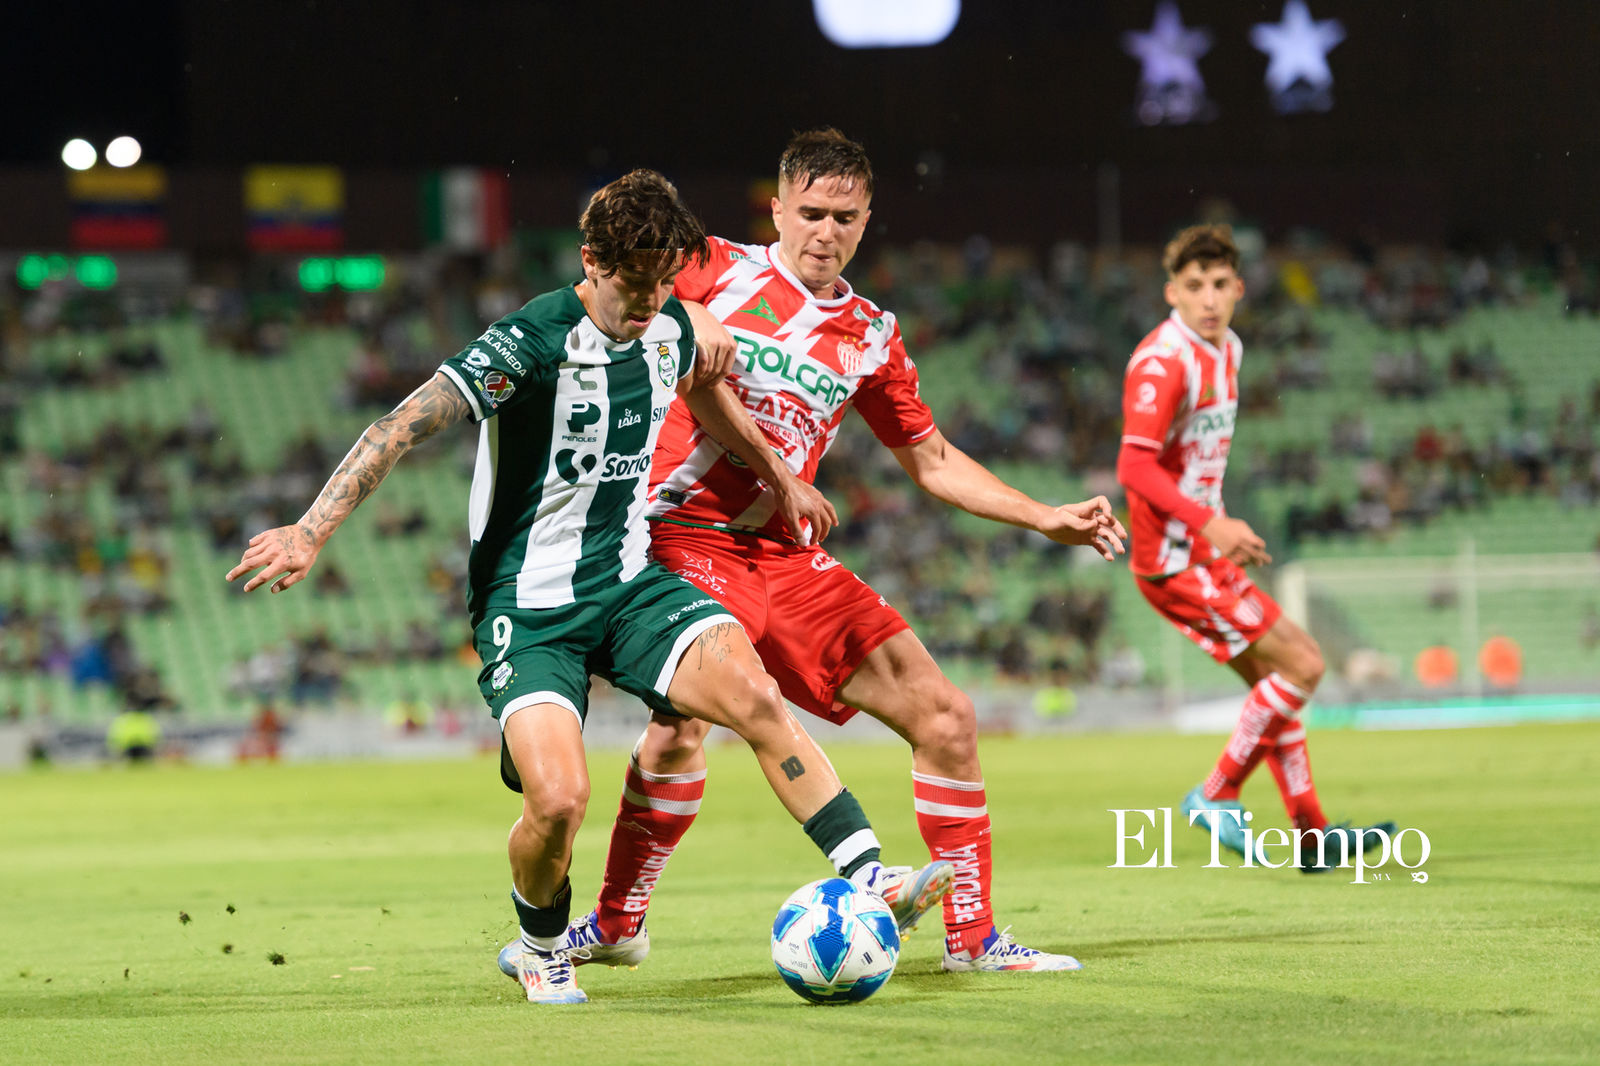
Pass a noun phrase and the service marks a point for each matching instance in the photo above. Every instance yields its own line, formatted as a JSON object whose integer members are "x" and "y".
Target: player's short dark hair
{"x": 824, "y": 153}
{"x": 639, "y": 219}
{"x": 1201, "y": 244}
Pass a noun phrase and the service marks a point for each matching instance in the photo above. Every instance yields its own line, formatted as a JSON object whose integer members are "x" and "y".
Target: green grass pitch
{"x": 140, "y": 908}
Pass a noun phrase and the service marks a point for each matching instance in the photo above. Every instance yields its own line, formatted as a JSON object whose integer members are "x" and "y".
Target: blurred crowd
{"x": 1052, "y": 334}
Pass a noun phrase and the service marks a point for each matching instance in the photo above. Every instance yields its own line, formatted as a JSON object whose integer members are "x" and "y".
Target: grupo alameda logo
{"x": 1276, "y": 848}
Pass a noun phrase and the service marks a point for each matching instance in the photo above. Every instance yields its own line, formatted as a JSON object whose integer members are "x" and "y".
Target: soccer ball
{"x": 834, "y": 942}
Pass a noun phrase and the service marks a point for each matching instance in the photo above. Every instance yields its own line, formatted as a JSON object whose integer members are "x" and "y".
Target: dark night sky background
{"x": 1483, "y": 103}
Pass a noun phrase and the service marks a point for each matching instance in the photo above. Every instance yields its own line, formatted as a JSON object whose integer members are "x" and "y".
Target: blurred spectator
{"x": 1437, "y": 666}
{"x": 1500, "y": 662}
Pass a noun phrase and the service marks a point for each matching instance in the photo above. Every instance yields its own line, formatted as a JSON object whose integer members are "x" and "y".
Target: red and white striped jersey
{"x": 1180, "y": 397}
{"x": 801, "y": 361}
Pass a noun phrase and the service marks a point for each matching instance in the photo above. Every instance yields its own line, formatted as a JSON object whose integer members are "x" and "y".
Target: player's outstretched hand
{"x": 802, "y": 505}
{"x": 714, "y": 347}
{"x": 1091, "y": 522}
{"x": 1236, "y": 541}
{"x": 285, "y": 554}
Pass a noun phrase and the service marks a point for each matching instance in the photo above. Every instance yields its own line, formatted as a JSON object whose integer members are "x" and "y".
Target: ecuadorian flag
{"x": 114, "y": 208}
{"x": 294, "y": 209}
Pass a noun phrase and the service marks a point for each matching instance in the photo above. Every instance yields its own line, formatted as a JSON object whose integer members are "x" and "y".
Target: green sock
{"x": 843, "y": 833}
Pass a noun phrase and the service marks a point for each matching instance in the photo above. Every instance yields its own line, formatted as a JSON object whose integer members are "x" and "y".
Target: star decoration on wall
{"x": 1297, "y": 48}
{"x": 1171, "y": 90}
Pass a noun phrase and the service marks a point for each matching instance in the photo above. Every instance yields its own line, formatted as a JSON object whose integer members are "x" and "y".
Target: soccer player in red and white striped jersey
{"x": 806, "y": 347}
{"x": 1180, "y": 398}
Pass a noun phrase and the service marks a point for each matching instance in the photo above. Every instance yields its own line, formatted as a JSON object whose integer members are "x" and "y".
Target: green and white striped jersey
{"x": 568, "y": 421}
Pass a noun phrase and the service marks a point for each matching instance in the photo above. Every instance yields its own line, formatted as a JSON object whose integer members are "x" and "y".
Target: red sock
{"x": 953, "y": 817}
{"x": 656, "y": 810}
{"x": 1267, "y": 711}
{"x": 1291, "y": 766}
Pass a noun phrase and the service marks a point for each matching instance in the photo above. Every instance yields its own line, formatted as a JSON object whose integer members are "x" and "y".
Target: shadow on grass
{"x": 762, "y": 985}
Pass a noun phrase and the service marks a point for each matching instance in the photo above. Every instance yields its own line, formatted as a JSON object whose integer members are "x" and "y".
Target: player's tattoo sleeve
{"x": 435, "y": 405}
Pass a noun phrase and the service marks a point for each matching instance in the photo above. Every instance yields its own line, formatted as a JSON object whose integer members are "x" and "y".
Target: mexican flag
{"x": 466, "y": 209}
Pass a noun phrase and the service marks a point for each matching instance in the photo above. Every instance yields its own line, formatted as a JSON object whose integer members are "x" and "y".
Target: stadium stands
{"x": 145, "y": 452}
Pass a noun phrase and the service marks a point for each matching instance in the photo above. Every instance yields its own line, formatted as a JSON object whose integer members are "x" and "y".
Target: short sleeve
{"x": 1151, "y": 394}
{"x": 493, "y": 370}
{"x": 685, "y": 340}
{"x": 890, "y": 398}
{"x": 696, "y": 280}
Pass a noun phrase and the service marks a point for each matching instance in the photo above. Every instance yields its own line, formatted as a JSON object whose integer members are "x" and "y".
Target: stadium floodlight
{"x": 886, "y": 23}
{"x": 123, "y": 152}
{"x": 78, "y": 154}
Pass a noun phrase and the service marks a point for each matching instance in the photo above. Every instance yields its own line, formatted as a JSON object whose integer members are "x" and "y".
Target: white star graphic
{"x": 1169, "y": 50}
{"x": 1298, "y": 47}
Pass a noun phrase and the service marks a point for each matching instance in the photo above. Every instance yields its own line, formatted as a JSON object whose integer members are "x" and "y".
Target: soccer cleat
{"x": 546, "y": 977}
{"x": 1231, "y": 832}
{"x": 583, "y": 942}
{"x": 1333, "y": 851}
{"x": 912, "y": 893}
{"x": 1003, "y": 954}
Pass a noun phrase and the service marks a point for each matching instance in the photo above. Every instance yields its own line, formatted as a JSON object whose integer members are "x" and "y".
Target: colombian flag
{"x": 118, "y": 208}
{"x": 294, "y": 209}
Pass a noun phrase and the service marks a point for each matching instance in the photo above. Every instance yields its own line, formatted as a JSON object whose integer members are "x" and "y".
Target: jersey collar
{"x": 1230, "y": 339}
{"x": 783, "y": 272}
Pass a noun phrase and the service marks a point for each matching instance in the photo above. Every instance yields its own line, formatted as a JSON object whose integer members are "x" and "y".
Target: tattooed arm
{"x": 288, "y": 552}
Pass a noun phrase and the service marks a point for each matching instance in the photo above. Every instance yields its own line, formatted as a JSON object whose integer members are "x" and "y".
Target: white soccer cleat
{"x": 582, "y": 941}
{"x": 546, "y": 977}
{"x": 912, "y": 893}
{"x": 1006, "y": 955}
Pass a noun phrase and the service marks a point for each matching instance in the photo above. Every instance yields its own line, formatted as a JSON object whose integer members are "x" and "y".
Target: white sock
{"x": 868, "y": 875}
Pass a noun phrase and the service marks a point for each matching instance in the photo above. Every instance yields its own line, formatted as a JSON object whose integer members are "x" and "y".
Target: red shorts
{"x": 1215, "y": 605}
{"x": 811, "y": 620}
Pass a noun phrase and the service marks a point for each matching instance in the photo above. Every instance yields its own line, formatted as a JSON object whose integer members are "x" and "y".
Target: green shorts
{"x": 632, "y": 634}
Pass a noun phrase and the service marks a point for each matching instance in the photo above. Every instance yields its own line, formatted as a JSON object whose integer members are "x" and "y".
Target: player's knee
{"x": 943, "y": 719}
{"x": 752, "y": 702}
{"x": 554, "y": 808}
{"x": 1307, "y": 665}
{"x": 671, "y": 741}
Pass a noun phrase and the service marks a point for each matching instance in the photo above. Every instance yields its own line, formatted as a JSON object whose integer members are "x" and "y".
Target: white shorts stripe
{"x": 851, "y": 847}
{"x": 948, "y": 810}
{"x": 666, "y": 806}
{"x": 533, "y": 699}
{"x": 1291, "y": 736}
{"x": 681, "y": 645}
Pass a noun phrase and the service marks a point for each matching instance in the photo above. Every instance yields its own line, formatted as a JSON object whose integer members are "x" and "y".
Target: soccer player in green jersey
{"x": 570, "y": 393}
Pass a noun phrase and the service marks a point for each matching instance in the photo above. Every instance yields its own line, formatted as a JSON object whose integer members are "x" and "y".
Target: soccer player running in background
{"x": 806, "y": 348}
{"x": 1180, "y": 397}
{"x": 570, "y": 393}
